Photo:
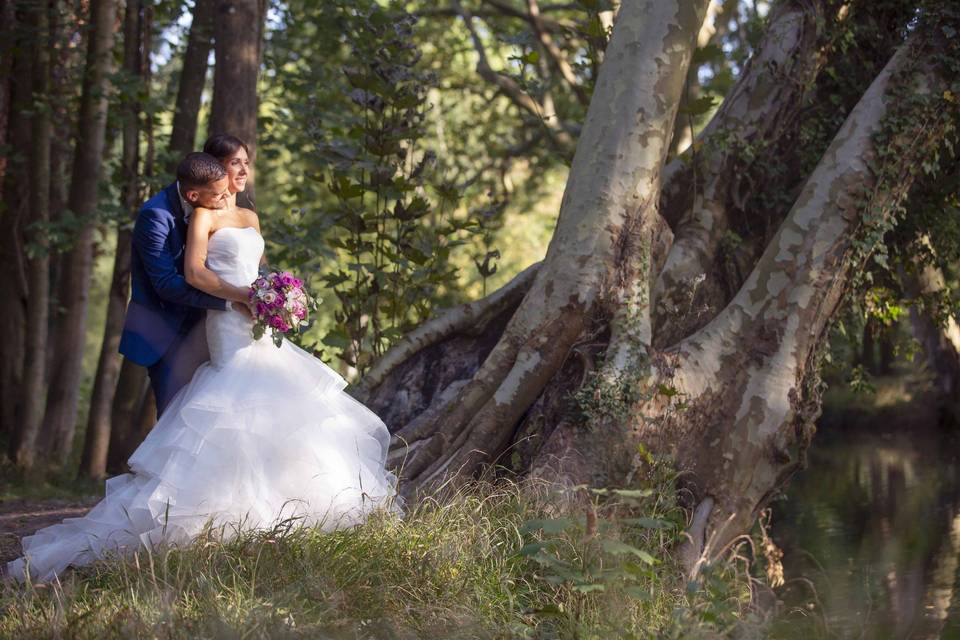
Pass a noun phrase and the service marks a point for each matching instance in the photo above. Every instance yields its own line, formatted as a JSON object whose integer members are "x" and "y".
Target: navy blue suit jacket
{"x": 161, "y": 301}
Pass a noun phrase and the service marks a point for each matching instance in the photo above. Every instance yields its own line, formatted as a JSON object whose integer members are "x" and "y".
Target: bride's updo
{"x": 223, "y": 146}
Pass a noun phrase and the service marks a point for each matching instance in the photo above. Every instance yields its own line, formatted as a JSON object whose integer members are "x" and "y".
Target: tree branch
{"x": 553, "y": 51}
{"x": 513, "y": 91}
{"x": 467, "y": 317}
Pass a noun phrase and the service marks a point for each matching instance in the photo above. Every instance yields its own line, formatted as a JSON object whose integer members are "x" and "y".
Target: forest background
{"x": 412, "y": 159}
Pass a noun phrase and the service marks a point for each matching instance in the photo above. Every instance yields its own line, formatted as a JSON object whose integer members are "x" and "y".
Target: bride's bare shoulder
{"x": 251, "y": 217}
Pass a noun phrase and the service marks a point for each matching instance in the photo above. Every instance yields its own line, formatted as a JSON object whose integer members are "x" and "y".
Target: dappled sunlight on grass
{"x": 502, "y": 560}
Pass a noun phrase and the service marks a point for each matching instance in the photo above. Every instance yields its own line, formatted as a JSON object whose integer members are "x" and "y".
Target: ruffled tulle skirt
{"x": 264, "y": 435}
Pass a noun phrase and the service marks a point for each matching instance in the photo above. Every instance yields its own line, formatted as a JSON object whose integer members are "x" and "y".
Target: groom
{"x": 164, "y": 329}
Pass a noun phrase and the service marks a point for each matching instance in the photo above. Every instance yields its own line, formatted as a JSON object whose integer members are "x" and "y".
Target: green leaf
{"x": 664, "y": 390}
{"x": 550, "y": 525}
{"x": 335, "y": 340}
{"x": 617, "y": 547}
{"x": 699, "y": 106}
{"x": 709, "y": 53}
{"x": 639, "y": 594}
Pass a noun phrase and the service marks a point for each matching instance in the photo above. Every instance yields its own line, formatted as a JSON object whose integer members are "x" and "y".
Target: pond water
{"x": 871, "y": 536}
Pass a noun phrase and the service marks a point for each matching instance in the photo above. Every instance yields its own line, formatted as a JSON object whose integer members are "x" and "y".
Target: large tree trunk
{"x": 38, "y": 262}
{"x": 238, "y": 36}
{"x": 193, "y": 77}
{"x": 598, "y": 261}
{"x": 61, "y": 415}
{"x": 97, "y": 438}
{"x": 747, "y": 378}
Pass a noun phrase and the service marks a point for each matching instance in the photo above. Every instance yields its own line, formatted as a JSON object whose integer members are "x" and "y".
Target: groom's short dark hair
{"x": 199, "y": 169}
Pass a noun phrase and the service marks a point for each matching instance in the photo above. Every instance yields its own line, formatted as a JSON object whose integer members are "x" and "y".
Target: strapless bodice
{"x": 233, "y": 253}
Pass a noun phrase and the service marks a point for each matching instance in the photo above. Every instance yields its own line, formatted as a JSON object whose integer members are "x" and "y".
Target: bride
{"x": 259, "y": 434}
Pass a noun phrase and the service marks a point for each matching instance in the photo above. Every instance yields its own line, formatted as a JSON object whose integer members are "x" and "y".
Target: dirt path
{"x": 20, "y": 518}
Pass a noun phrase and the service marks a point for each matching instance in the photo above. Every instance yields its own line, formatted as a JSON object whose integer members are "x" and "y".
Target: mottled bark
{"x": 747, "y": 375}
{"x": 193, "y": 76}
{"x": 97, "y": 438}
{"x": 747, "y": 379}
{"x": 601, "y": 242}
{"x": 61, "y": 415}
{"x": 38, "y": 260}
{"x": 761, "y": 107}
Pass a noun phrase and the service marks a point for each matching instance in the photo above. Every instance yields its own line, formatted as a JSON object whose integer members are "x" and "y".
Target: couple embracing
{"x": 249, "y": 433}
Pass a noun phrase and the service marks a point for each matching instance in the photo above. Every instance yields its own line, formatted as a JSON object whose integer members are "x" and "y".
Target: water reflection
{"x": 871, "y": 537}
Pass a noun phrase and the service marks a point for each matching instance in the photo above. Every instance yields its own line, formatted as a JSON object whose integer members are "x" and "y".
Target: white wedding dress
{"x": 260, "y": 434}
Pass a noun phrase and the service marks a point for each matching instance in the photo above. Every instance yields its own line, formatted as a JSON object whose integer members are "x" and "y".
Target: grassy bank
{"x": 490, "y": 561}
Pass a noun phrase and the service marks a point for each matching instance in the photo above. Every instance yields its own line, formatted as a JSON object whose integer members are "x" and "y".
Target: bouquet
{"x": 280, "y": 303}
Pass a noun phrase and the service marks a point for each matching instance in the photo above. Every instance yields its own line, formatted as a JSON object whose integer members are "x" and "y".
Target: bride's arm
{"x": 194, "y": 267}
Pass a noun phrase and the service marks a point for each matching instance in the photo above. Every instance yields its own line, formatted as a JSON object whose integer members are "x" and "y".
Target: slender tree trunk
{"x": 238, "y": 34}
{"x": 94, "y": 460}
{"x": 61, "y": 415}
{"x": 14, "y": 211}
{"x": 132, "y": 386}
{"x": 66, "y": 27}
{"x": 193, "y": 77}
{"x": 7, "y": 22}
{"x": 868, "y": 347}
{"x": 38, "y": 263}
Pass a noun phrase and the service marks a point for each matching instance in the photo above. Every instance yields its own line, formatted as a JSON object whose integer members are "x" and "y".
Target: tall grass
{"x": 491, "y": 560}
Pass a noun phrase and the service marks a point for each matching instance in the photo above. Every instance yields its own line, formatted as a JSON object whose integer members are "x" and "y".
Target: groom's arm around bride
{"x": 164, "y": 330}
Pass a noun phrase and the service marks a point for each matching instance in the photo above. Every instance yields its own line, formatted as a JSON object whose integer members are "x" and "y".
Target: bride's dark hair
{"x": 223, "y": 145}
